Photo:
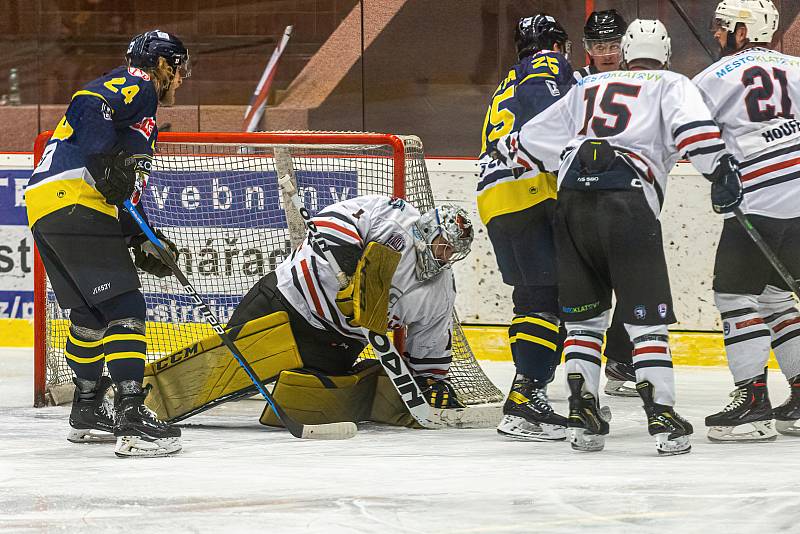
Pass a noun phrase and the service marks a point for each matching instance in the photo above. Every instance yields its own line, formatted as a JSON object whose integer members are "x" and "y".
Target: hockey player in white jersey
{"x": 753, "y": 94}
{"x": 623, "y": 132}
{"x": 421, "y": 296}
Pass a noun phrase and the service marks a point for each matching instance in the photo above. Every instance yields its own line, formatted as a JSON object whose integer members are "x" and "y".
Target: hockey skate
{"x": 748, "y": 417}
{"x": 138, "y": 431}
{"x": 587, "y": 425}
{"x": 92, "y": 415}
{"x": 528, "y": 416}
{"x": 787, "y": 414}
{"x": 620, "y": 379}
{"x": 670, "y": 429}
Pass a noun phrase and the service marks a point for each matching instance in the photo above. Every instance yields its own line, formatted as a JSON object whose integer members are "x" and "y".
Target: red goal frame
{"x": 310, "y": 138}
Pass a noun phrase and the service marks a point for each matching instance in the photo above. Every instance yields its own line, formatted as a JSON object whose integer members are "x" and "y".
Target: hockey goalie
{"x": 298, "y": 327}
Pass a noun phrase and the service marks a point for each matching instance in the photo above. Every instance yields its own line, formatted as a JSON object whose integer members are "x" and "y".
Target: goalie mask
{"x": 442, "y": 236}
{"x": 759, "y": 16}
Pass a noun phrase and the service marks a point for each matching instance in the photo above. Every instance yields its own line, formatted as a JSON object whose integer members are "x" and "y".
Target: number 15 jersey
{"x": 651, "y": 117}
{"x": 753, "y": 96}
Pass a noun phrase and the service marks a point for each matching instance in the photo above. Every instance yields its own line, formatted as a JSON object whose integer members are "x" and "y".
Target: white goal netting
{"x": 216, "y": 196}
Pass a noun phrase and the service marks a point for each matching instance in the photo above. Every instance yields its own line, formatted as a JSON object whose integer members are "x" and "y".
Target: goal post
{"x": 216, "y": 196}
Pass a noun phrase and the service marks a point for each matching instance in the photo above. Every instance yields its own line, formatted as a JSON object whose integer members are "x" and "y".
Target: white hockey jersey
{"x": 653, "y": 116}
{"x": 754, "y": 96}
{"x": 309, "y": 284}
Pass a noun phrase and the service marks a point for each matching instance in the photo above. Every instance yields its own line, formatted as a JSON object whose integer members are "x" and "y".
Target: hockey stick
{"x": 341, "y": 430}
{"x": 394, "y": 364}
{"x": 770, "y": 255}
{"x": 692, "y": 28}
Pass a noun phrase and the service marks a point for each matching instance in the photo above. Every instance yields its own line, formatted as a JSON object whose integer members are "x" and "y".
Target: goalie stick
{"x": 341, "y": 430}
{"x": 388, "y": 356}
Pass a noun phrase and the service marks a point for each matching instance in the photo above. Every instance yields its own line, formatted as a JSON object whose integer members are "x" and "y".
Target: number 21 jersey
{"x": 753, "y": 96}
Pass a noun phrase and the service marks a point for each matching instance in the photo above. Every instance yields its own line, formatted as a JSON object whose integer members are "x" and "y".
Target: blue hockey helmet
{"x": 539, "y": 32}
{"x": 145, "y": 49}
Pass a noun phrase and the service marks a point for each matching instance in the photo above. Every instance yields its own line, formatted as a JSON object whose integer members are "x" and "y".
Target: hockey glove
{"x": 438, "y": 393}
{"x": 726, "y": 185}
{"x": 121, "y": 177}
{"x": 145, "y": 254}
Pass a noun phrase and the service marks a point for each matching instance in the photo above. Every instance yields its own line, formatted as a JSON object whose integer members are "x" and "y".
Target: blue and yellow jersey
{"x": 113, "y": 113}
{"x": 530, "y": 87}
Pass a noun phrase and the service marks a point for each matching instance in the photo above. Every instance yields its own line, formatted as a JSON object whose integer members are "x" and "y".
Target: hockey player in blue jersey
{"x": 100, "y": 155}
{"x": 517, "y": 209}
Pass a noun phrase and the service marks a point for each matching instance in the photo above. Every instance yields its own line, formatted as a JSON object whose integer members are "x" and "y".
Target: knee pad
{"x": 87, "y": 323}
{"x": 729, "y": 302}
{"x": 775, "y": 300}
{"x": 531, "y": 300}
{"x": 126, "y": 306}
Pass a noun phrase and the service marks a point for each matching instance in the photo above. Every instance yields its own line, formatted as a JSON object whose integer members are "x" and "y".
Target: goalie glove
{"x": 726, "y": 185}
{"x": 438, "y": 392}
{"x": 146, "y": 257}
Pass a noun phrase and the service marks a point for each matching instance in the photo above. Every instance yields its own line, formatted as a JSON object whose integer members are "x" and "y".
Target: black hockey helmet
{"x": 145, "y": 49}
{"x": 539, "y": 33}
{"x": 604, "y": 26}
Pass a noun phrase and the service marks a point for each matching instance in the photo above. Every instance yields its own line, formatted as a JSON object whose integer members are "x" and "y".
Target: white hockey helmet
{"x": 453, "y": 225}
{"x": 646, "y": 39}
{"x": 759, "y": 16}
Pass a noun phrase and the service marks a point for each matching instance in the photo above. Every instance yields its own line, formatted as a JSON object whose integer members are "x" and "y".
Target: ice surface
{"x": 235, "y": 475}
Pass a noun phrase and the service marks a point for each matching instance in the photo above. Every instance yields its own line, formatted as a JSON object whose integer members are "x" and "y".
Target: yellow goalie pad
{"x": 371, "y": 284}
{"x": 205, "y": 373}
{"x": 313, "y": 398}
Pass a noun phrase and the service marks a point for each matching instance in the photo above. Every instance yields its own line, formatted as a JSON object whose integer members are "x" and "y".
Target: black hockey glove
{"x": 726, "y": 185}
{"x": 438, "y": 393}
{"x": 119, "y": 177}
{"x": 146, "y": 257}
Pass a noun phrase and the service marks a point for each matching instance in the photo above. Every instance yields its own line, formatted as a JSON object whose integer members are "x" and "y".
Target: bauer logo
{"x": 236, "y": 198}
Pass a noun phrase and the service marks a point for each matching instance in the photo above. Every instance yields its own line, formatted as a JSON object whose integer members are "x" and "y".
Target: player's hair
{"x": 162, "y": 76}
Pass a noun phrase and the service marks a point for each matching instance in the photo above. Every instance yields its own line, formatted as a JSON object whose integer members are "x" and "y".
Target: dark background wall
{"x": 429, "y": 71}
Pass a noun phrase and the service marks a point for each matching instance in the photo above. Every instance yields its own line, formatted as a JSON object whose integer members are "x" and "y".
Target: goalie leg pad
{"x": 205, "y": 373}
{"x": 313, "y": 398}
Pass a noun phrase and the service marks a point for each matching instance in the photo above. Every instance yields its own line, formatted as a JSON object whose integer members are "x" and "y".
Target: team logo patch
{"x": 662, "y": 310}
{"x": 145, "y": 127}
{"x": 106, "y": 111}
{"x": 640, "y": 311}
{"x": 726, "y": 328}
{"x": 397, "y": 203}
{"x": 396, "y": 241}
{"x": 133, "y": 71}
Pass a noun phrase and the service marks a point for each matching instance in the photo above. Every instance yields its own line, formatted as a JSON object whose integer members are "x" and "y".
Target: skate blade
{"x": 85, "y": 435}
{"x": 518, "y": 428}
{"x": 138, "y": 447}
{"x": 581, "y": 440}
{"x": 746, "y": 432}
{"x": 672, "y": 447}
{"x": 618, "y": 388}
{"x": 787, "y": 428}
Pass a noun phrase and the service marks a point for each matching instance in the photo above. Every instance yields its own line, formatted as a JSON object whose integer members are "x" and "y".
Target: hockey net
{"x": 216, "y": 196}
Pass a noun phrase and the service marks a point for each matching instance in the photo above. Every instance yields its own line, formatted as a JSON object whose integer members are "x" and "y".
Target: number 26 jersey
{"x": 753, "y": 96}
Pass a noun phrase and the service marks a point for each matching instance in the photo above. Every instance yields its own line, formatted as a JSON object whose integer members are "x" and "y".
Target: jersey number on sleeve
{"x": 128, "y": 92}
{"x": 620, "y": 112}
{"x": 756, "y": 95}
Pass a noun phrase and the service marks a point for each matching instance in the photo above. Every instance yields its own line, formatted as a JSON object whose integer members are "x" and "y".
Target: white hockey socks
{"x": 582, "y": 350}
{"x": 652, "y": 360}
{"x": 747, "y": 338}
{"x": 778, "y": 310}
